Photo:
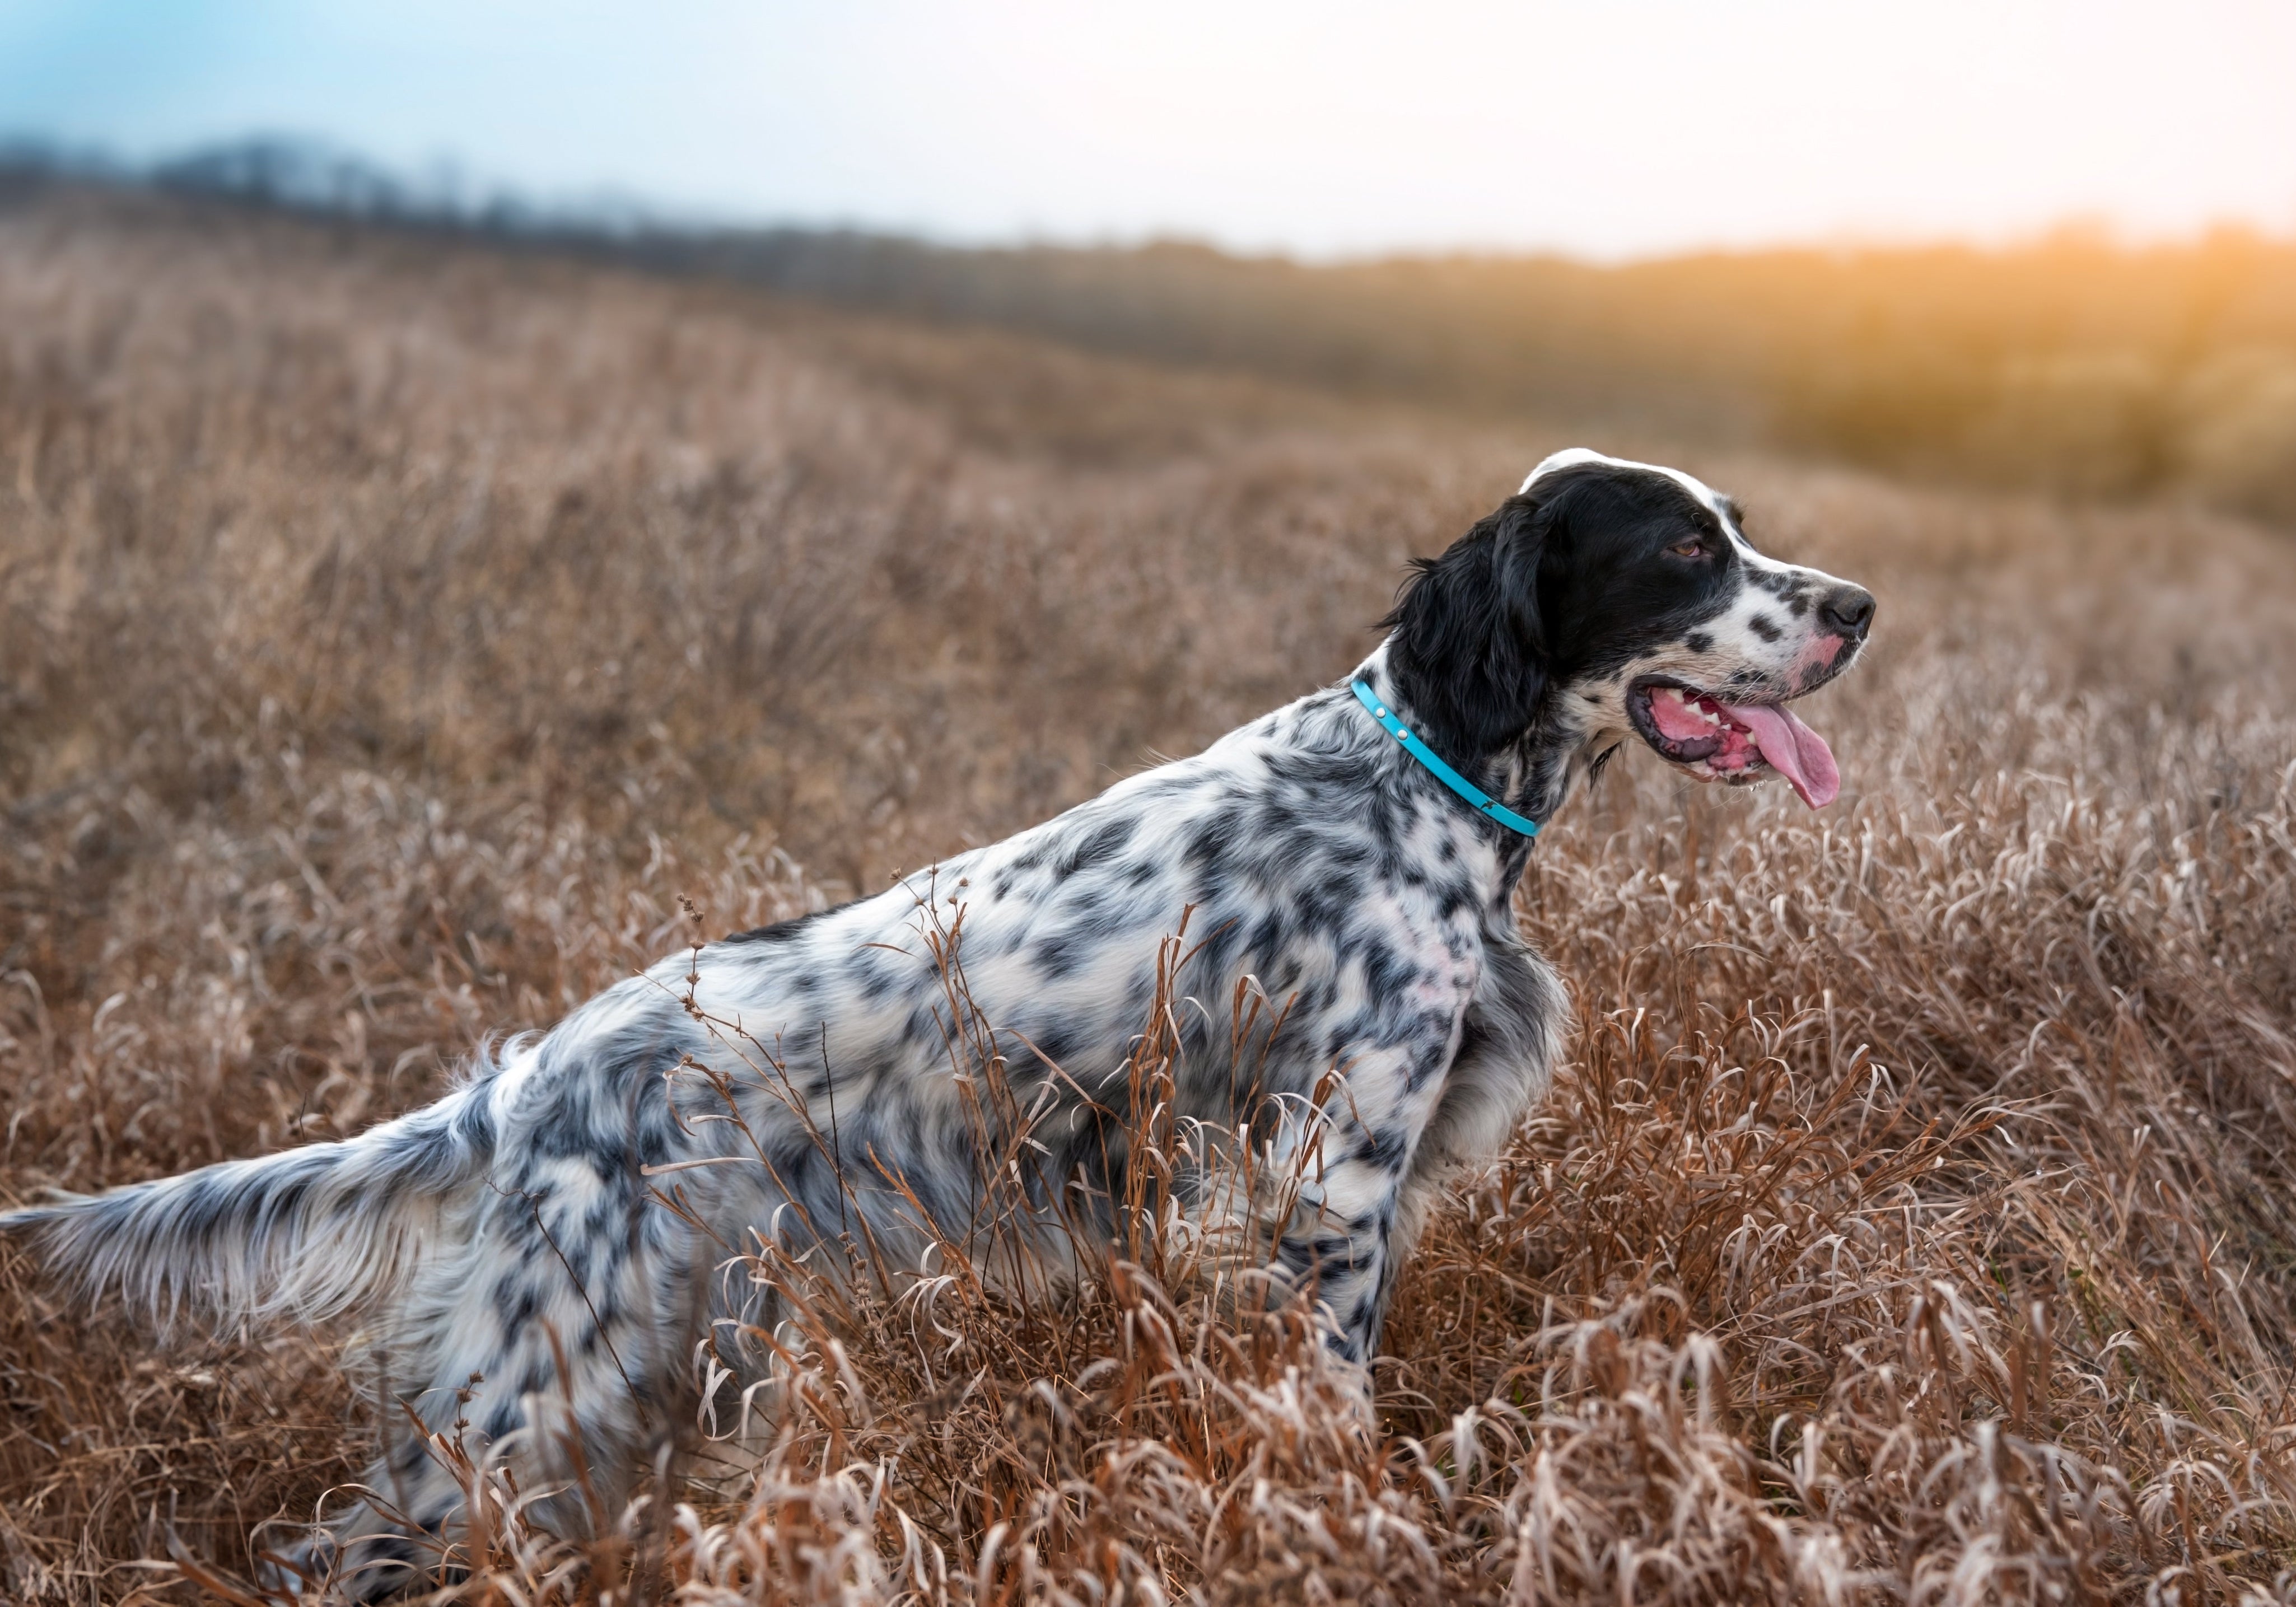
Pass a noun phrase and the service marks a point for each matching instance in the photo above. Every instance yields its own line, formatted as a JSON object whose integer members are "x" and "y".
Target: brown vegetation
{"x": 2071, "y": 364}
{"x": 393, "y": 632}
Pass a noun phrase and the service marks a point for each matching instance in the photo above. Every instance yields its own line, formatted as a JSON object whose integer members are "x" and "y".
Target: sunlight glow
{"x": 1607, "y": 130}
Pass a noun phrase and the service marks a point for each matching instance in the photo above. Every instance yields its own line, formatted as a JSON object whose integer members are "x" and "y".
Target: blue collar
{"x": 1427, "y": 755}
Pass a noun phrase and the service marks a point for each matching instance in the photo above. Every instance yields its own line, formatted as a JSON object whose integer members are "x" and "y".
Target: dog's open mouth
{"x": 1717, "y": 741}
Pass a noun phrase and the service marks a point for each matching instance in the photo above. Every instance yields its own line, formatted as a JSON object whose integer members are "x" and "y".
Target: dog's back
{"x": 539, "y": 1253}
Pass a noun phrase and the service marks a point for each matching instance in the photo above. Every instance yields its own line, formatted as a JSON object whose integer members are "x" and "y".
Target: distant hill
{"x": 2071, "y": 364}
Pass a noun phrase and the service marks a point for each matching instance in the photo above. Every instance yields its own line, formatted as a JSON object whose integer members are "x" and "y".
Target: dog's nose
{"x": 1848, "y": 609}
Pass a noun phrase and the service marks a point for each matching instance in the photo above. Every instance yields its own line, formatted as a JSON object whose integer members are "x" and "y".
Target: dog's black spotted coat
{"x": 506, "y": 1241}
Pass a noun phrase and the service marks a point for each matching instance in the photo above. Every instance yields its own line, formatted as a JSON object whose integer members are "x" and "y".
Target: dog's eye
{"x": 1688, "y": 549}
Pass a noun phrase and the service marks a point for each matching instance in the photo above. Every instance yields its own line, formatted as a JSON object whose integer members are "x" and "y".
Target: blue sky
{"x": 1605, "y": 129}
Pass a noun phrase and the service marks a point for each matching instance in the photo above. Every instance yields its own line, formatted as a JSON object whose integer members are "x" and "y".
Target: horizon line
{"x": 449, "y": 196}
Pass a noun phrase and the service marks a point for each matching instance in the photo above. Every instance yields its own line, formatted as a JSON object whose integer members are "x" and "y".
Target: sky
{"x": 1603, "y": 130}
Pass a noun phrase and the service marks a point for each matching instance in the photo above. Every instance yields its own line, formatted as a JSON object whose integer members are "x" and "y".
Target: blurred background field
{"x": 2073, "y": 363}
{"x": 406, "y": 602}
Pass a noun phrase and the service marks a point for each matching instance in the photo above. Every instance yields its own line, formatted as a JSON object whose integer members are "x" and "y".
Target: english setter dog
{"x": 1350, "y": 858}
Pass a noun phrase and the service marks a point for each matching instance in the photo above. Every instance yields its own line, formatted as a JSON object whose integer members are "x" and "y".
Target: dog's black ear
{"x": 1469, "y": 650}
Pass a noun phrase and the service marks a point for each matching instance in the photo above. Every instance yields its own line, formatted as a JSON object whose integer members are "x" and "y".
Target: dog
{"x": 1349, "y": 858}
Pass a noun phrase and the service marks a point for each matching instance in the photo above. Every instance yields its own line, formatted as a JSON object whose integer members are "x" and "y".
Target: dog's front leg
{"x": 1351, "y": 1154}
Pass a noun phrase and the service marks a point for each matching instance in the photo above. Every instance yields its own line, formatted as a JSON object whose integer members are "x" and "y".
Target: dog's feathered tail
{"x": 303, "y": 1234}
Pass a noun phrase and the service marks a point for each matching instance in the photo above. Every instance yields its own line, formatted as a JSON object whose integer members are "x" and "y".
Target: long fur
{"x": 305, "y": 1235}
{"x": 515, "y": 1242}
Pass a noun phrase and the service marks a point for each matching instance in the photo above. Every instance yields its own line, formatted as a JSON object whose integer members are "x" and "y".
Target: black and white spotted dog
{"x": 510, "y": 1233}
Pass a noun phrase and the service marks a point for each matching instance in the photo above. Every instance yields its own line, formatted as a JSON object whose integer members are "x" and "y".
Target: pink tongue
{"x": 1794, "y": 750}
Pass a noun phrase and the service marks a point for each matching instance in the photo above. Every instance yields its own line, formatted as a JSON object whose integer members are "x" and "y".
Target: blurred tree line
{"x": 2073, "y": 365}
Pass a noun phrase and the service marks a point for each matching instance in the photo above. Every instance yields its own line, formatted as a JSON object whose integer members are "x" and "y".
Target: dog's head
{"x": 1608, "y": 597}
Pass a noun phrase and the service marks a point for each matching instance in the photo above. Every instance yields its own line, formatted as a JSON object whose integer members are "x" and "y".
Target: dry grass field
{"x": 391, "y": 634}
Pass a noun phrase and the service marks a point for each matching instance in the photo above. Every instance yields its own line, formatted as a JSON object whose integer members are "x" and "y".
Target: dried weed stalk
{"x": 391, "y": 634}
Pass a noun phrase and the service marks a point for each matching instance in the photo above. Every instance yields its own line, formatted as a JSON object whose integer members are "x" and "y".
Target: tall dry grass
{"x": 393, "y": 634}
